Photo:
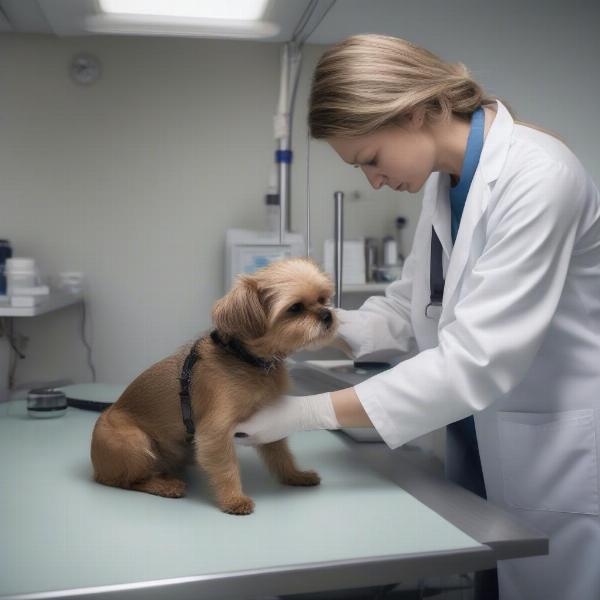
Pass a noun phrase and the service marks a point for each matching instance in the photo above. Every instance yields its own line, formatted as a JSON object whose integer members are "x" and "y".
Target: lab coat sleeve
{"x": 511, "y": 296}
{"x": 381, "y": 327}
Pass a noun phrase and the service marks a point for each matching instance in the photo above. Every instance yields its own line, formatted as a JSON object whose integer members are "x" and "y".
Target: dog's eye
{"x": 321, "y": 300}
{"x": 296, "y": 308}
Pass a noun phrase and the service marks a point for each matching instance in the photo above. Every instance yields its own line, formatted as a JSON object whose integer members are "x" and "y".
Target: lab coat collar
{"x": 493, "y": 157}
{"x": 496, "y": 145}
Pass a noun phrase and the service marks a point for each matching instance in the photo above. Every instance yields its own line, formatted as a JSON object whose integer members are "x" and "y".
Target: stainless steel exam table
{"x": 377, "y": 518}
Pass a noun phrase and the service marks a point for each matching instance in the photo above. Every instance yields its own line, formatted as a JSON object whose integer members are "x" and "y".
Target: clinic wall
{"x": 133, "y": 181}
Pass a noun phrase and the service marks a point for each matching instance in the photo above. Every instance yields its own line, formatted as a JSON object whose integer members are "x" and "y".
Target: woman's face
{"x": 399, "y": 157}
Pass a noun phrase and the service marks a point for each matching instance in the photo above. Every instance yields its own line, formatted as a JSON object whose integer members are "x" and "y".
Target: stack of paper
{"x": 27, "y": 297}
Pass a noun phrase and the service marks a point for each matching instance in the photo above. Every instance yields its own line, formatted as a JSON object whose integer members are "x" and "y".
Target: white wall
{"x": 540, "y": 55}
{"x": 134, "y": 180}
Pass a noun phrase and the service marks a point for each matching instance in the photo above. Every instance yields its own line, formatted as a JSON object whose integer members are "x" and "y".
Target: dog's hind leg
{"x": 161, "y": 485}
{"x": 123, "y": 456}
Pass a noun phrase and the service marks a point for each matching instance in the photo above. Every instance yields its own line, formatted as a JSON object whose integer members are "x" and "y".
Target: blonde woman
{"x": 509, "y": 237}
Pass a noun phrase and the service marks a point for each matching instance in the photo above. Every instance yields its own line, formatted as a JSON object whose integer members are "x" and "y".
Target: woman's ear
{"x": 416, "y": 118}
{"x": 240, "y": 313}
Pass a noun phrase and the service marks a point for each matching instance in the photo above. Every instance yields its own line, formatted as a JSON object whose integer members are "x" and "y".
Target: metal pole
{"x": 284, "y": 190}
{"x": 338, "y": 252}
{"x": 307, "y": 192}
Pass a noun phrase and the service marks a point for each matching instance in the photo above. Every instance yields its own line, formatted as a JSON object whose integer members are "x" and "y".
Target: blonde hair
{"x": 369, "y": 81}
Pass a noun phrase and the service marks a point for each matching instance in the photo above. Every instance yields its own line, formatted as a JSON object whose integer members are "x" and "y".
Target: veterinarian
{"x": 511, "y": 220}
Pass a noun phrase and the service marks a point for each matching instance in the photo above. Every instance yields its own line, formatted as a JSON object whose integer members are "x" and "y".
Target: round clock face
{"x": 84, "y": 69}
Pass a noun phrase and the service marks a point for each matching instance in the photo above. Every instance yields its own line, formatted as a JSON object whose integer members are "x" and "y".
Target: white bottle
{"x": 390, "y": 251}
{"x": 272, "y": 209}
{"x": 272, "y": 203}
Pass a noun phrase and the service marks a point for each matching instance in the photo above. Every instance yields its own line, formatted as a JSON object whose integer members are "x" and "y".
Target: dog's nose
{"x": 326, "y": 316}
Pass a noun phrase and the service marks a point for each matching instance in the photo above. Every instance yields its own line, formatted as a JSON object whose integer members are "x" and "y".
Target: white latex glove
{"x": 285, "y": 416}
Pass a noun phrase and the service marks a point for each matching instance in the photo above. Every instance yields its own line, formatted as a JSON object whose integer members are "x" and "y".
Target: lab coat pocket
{"x": 549, "y": 461}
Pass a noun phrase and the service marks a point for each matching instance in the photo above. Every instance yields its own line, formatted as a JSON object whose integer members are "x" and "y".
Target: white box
{"x": 38, "y": 290}
{"x": 25, "y": 301}
{"x": 353, "y": 266}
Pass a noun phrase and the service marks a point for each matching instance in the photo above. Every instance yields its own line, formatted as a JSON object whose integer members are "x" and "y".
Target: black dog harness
{"x": 184, "y": 394}
{"x": 232, "y": 346}
{"x": 235, "y": 347}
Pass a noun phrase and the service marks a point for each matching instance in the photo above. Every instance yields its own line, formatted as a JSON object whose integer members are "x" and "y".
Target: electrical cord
{"x": 16, "y": 354}
{"x": 319, "y": 20}
{"x": 306, "y": 15}
{"x": 85, "y": 342}
{"x": 7, "y": 329}
{"x": 9, "y": 332}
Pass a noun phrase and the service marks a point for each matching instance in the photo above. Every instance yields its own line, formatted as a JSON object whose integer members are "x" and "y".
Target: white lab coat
{"x": 517, "y": 344}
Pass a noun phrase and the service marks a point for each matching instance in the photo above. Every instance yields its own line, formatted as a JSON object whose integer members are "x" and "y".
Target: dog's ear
{"x": 240, "y": 313}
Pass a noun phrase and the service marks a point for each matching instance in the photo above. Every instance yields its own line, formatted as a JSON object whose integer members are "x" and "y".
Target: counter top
{"x": 63, "y": 535}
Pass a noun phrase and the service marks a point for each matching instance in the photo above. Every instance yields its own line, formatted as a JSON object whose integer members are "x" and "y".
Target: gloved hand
{"x": 285, "y": 416}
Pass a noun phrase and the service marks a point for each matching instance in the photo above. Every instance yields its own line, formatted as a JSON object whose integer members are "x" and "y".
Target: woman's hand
{"x": 287, "y": 415}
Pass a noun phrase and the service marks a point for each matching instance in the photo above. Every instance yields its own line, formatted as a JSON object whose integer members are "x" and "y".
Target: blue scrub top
{"x": 459, "y": 192}
{"x": 463, "y": 464}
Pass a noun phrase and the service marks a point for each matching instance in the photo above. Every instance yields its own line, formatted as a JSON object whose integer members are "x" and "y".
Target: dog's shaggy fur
{"x": 139, "y": 443}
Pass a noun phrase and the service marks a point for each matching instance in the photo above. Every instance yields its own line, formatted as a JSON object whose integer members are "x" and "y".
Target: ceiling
{"x": 425, "y": 22}
{"x": 80, "y": 17}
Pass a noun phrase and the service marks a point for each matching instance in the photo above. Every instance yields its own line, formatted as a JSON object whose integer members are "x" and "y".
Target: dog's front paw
{"x": 304, "y": 478}
{"x": 239, "y": 505}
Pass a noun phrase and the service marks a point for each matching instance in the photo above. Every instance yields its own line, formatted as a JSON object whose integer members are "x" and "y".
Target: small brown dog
{"x": 139, "y": 443}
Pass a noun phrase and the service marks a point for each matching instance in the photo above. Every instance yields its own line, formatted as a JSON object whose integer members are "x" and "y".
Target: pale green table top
{"x": 59, "y": 530}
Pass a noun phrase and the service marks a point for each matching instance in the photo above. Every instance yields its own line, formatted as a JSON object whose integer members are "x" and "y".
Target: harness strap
{"x": 184, "y": 394}
{"x": 232, "y": 346}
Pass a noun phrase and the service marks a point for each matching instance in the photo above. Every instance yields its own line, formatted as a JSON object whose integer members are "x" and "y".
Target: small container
{"x": 400, "y": 225}
{"x": 70, "y": 282}
{"x": 20, "y": 273}
{"x": 272, "y": 206}
{"x": 387, "y": 273}
{"x": 371, "y": 256}
{"x": 44, "y": 403}
{"x": 390, "y": 251}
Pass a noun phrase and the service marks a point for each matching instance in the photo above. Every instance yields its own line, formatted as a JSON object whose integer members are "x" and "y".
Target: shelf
{"x": 359, "y": 288}
{"x": 53, "y": 301}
